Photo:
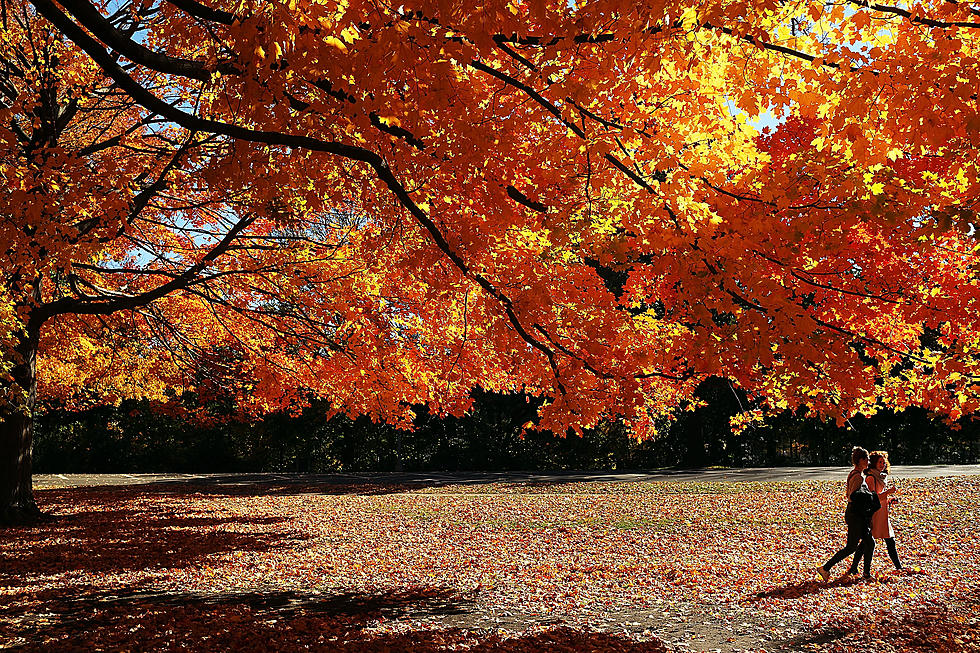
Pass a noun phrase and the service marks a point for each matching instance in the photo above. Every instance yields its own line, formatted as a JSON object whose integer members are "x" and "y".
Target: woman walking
{"x": 857, "y": 517}
{"x": 881, "y": 527}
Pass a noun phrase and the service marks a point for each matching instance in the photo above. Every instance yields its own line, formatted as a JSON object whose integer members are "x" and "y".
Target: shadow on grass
{"x": 234, "y": 486}
{"x": 370, "y": 483}
{"x": 278, "y": 621}
{"x": 152, "y": 535}
{"x": 262, "y": 485}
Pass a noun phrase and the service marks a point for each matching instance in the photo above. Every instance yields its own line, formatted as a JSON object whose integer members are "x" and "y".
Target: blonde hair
{"x": 875, "y": 456}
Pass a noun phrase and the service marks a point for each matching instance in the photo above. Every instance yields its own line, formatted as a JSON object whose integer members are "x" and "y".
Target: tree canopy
{"x": 387, "y": 205}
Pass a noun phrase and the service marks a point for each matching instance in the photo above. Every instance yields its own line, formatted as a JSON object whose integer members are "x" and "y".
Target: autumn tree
{"x": 144, "y": 258}
{"x": 383, "y": 205}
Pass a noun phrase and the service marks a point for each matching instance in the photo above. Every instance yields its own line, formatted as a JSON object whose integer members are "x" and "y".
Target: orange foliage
{"x": 390, "y": 205}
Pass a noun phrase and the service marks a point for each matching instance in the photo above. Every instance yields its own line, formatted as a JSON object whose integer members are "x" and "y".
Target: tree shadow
{"x": 280, "y": 621}
{"x": 251, "y": 484}
{"x": 119, "y": 539}
{"x": 258, "y": 485}
{"x": 293, "y": 488}
{"x": 301, "y": 484}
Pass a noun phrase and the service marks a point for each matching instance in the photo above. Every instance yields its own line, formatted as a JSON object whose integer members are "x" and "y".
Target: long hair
{"x": 875, "y": 456}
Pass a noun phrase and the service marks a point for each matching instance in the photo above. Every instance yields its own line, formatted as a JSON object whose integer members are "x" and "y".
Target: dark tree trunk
{"x": 17, "y": 438}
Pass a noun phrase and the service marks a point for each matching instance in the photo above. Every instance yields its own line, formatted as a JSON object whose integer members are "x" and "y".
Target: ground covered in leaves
{"x": 639, "y": 567}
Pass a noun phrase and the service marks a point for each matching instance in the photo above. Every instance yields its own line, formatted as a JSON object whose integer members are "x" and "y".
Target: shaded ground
{"x": 418, "y": 619}
{"x": 715, "y": 475}
{"x": 521, "y": 565}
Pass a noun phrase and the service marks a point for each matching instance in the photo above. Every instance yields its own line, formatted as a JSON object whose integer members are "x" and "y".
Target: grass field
{"x": 509, "y": 567}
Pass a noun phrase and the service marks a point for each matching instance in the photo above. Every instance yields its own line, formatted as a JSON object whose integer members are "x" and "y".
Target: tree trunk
{"x": 17, "y": 438}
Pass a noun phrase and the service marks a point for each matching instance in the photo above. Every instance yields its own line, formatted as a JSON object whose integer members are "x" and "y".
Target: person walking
{"x": 881, "y": 527}
{"x": 860, "y": 506}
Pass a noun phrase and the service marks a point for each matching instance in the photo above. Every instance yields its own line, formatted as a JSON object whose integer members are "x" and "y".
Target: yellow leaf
{"x": 689, "y": 18}
{"x": 335, "y": 42}
{"x": 350, "y": 34}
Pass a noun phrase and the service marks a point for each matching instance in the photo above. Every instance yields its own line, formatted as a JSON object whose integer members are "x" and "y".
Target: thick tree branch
{"x": 203, "y": 12}
{"x": 521, "y": 198}
{"x": 397, "y": 131}
{"x": 86, "y": 14}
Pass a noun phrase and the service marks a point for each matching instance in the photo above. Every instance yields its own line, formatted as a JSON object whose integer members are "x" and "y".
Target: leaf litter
{"x": 577, "y": 566}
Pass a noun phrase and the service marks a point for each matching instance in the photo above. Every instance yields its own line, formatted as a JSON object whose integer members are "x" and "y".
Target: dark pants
{"x": 892, "y": 553}
{"x": 858, "y": 538}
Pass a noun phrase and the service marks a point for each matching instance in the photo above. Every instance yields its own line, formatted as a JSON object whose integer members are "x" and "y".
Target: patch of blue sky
{"x": 766, "y": 119}
{"x": 770, "y": 119}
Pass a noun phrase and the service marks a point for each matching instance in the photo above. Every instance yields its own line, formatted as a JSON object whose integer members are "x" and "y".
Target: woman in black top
{"x": 858, "y": 520}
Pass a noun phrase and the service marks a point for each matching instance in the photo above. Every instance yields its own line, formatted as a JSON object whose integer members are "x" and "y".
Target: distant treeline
{"x": 135, "y": 437}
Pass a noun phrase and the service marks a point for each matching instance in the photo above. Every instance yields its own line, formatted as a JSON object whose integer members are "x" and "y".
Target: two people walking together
{"x": 868, "y": 496}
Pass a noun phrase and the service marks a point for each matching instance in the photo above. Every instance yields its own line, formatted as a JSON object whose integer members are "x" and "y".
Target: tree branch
{"x": 920, "y": 20}
{"x": 86, "y": 14}
{"x": 197, "y": 10}
{"x": 105, "y": 305}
